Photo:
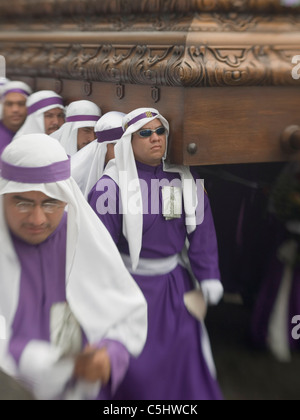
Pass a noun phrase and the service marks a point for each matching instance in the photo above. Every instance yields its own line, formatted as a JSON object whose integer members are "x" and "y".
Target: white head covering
{"x": 79, "y": 114}
{"x": 37, "y": 104}
{"x": 15, "y": 86}
{"x": 3, "y": 82}
{"x": 124, "y": 162}
{"x": 101, "y": 293}
{"x": 7, "y": 86}
{"x": 88, "y": 164}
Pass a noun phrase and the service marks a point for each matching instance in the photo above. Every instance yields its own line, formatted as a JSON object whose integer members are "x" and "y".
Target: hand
{"x": 93, "y": 365}
{"x": 212, "y": 290}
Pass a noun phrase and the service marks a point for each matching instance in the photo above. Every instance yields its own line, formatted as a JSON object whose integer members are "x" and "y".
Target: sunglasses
{"x": 148, "y": 133}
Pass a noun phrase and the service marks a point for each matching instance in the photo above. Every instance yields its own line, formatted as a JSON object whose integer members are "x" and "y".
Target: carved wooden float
{"x": 224, "y": 72}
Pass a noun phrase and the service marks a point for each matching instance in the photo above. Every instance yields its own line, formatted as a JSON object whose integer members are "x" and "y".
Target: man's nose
{"x": 37, "y": 216}
{"x": 91, "y": 137}
{"x": 16, "y": 108}
{"x": 154, "y": 137}
{"x": 55, "y": 120}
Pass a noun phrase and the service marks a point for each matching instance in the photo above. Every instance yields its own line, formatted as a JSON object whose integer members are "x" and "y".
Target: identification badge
{"x": 172, "y": 202}
{"x": 65, "y": 332}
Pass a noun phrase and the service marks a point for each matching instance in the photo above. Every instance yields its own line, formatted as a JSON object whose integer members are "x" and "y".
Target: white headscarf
{"x": 3, "y": 82}
{"x": 7, "y": 86}
{"x": 15, "y": 86}
{"x": 37, "y": 104}
{"x": 79, "y": 114}
{"x": 124, "y": 162}
{"x": 101, "y": 293}
{"x": 88, "y": 164}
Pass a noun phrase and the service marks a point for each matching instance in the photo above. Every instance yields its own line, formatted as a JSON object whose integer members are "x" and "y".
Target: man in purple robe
{"x": 46, "y": 113}
{"x": 70, "y": 313}
{"x": 152, "y": 209}
{"x": 78, "y": 130}
{"x": 277, "y": 307}
{"x": 14, "y": 111}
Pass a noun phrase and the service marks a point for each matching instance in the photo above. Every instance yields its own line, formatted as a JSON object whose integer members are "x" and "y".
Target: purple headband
{"x": 148, "y": 114}
{"x": 76, "y": 118}
{"x": 23, "y": 92}
{"x": 109, "y": 135}
{"x": 58, "y": 171}
{"x": 44, "y": 103}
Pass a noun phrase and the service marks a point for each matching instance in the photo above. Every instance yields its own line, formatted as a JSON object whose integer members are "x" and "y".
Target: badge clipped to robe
{"x": 172, "y": 202}
{"x": 65, "y": 331}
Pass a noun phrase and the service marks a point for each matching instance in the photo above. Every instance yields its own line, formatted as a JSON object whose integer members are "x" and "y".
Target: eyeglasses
{"x": 28, "y": 207}
{"x": 148, "y": 133}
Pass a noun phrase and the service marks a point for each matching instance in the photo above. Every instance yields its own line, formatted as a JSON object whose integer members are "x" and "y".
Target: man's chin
{"x": 51, "y": 131}
{"x": 14, "y": 127}
{"x": 35, "y": 239}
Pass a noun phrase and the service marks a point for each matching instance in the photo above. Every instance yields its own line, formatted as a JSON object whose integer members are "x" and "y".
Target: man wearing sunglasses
{"x": 152, "y": 208}
{"x": 149, "y": 144}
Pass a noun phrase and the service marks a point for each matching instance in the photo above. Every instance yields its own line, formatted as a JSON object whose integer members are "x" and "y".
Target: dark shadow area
{"x": 245, "y": 372}
{"x": 247, "y": 235}
{"x": 11, "y": 389}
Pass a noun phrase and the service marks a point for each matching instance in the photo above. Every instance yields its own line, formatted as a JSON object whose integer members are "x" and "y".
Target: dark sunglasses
{"x": 148, "y": 133}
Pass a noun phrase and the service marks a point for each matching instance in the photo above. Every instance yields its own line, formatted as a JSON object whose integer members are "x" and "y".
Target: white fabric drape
{"x": 67, "y": 134}
{"x": 88, "y": 164}
{"x": 123, "y": 171}
{"x": 34, "y": 122}
{"x": 101, "y": 293}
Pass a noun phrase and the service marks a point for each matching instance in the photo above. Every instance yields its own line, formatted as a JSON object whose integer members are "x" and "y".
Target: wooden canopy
{"x": 223, "y": 72}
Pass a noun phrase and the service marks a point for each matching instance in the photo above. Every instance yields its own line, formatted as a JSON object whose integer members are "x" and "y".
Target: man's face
{"x": 85, "y": 136}
{"x": 110, "y": 154}
{"x": 32, "y": 216}
{"x": 14, "y": 111}
{"x": 150, "y": 150}
{"x": 54, "y": 119}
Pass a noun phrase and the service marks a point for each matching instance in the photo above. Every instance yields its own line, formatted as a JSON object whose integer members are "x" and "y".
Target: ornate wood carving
{"x": 125, "y": 53}
{"x": 187, "y": 48}
{"x": 91, "y": 7}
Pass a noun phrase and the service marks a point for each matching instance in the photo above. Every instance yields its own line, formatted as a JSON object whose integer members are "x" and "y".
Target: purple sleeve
{"x": 119, "y": 359}
{"x": 104, "y": 200}
{"x": 203, "y": 251}
{"x": 17, "y": 345}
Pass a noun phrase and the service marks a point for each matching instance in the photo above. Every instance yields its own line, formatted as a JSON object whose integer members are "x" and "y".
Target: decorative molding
{"x": 38, "y": 8}
{"x": 138, "y": 42}
{"x": 197, "y": 22}
{"x": 176, "y": 66}
{"x": 87, "y": 88}
{"x": 155, "y": 94}
{"x": 120, "y": 91}
{"x": 58, "y": 86}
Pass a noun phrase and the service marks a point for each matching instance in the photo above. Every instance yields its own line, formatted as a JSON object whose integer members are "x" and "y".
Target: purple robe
{"x": 271, "y": 282}
{"x": 172, "y": 365}
{"x": 6, "y": 136}
{"x": 239, "y": 199}
{"x": 42, "y": 285}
